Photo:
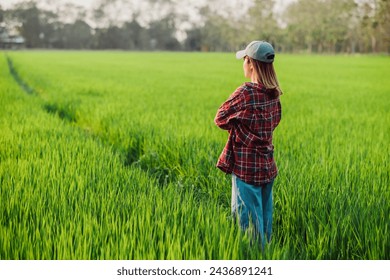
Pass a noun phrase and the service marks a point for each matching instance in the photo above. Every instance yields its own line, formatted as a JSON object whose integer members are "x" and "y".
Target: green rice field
{"x": 111, "y": 155}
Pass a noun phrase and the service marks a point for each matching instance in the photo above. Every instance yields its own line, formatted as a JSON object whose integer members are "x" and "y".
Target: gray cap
{"x": 259, "y": 50}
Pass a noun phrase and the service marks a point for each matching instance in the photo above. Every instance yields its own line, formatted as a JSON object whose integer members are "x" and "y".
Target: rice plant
{"x": 113, "y": 157}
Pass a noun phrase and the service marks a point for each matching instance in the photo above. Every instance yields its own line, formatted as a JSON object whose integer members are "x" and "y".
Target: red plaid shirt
{"x": 250, "y": 115}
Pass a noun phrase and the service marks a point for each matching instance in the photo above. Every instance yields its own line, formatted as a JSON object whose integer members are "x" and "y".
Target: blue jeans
{"x": 253, "y": 204}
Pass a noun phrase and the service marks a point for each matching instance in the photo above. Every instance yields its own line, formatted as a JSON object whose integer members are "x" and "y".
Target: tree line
{"x": 302, "y": 26}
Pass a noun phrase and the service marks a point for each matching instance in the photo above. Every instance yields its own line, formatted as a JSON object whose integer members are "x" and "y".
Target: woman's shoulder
{"x": 253, "y": 86}
{"x": 249, "y": 90}
{"x": 247, "y": 86}
{"x": 259, "y": 89}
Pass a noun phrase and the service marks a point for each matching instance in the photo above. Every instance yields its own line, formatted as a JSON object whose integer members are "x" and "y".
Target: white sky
{"x": 89, "y": 3}
{"x": 183, "y": 7}
{"x": 122, "y": 13}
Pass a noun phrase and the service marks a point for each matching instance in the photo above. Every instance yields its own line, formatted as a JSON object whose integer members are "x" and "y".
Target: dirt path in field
{"x": 63, "y": 111}
{"x": 67, "y": 113}
{"x": 25, "y": 87}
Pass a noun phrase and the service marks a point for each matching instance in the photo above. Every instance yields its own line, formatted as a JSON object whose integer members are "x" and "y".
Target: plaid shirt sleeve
{"x": 230, "y": 110}
{"x": 226, "y": 119}
{"x": 250, "y": 116}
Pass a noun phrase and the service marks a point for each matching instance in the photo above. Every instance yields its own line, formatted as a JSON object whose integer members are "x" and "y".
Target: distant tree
{"x": 263, "y": 24}
{"x": 28, "y": 14}
{"x": 193, "y": 41}
{"x": 383, "y": 17}
{"x": 232, "y": 26}
{"x": 162, "y": 34}
{"x": 109, "y": 38}
{"x": 336, "y": 24}
{"x": 77, "y": 35}
{"x": 374, "y": 18}
{"x": 219, "y": 33}
{"x": 1, "y": 14}
{"x": 136, "y": 36}
{"x": 368, "y": 24}
{"x": 49, "y": 25}
{"x": 306, "y": 25}
{"x": 319, "y": 25}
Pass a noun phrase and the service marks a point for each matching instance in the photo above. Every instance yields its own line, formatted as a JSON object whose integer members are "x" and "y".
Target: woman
{"x": 250, "y": 115}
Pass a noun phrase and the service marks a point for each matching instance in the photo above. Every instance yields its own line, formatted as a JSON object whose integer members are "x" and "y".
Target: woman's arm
{"x": 230, "y": 110}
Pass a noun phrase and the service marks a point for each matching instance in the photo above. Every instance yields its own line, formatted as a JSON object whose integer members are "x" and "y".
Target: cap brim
{"x": 240, "y": 54}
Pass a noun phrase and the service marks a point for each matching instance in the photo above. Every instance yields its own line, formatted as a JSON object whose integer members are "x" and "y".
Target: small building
{"x": 10, "y": 41}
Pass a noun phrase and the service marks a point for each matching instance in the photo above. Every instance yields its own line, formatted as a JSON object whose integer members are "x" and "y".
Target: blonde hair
{"x": 266, "y": 76}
